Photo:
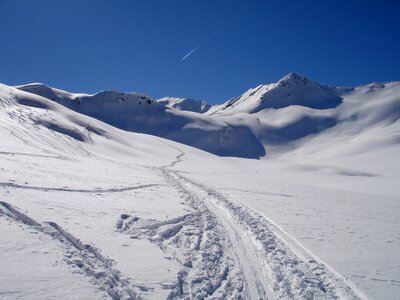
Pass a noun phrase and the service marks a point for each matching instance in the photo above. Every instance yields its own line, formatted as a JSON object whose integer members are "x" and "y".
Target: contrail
{"x": 219, "y": 30}
{"x": 191, "y": 52}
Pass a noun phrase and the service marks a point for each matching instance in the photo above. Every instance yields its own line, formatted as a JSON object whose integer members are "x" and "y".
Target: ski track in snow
{"x": 195, "y": 240}
{"x": 83, "y": 257}
{"x": 259, "y": 259}
{"x": 291, "y": 273}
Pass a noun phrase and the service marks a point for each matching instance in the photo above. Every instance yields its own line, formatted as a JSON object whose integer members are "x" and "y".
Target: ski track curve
{"x": 84, "y": 257}
{"x": 271, "y": 263}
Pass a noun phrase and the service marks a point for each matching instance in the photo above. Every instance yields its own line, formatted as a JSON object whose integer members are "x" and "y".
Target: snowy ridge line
{"x": 292, "y": 276}
{"x": 301, "y": 250}
{"x": 85, "y": 258}
{"x": 48, "y": 189}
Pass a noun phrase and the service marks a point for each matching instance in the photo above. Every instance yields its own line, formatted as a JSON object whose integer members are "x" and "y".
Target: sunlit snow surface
{"x": 90, "y": 211}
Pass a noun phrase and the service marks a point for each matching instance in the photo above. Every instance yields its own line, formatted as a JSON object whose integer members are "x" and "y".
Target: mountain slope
{"x": 138, "y": 113}
{"x": 277, "y": 116}
{"x": 292, "y": 89}
{"x": 185, "y": 104}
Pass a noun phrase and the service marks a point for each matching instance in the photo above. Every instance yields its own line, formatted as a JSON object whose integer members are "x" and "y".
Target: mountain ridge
{"x": 250, "y": 125}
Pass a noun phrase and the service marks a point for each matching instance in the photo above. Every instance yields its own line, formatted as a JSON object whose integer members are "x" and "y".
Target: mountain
{"x": 136, "y": 112}
{"x": 266, "y": 119}
{"x": 292, "y": 89}
{"x": 185, "y": 104}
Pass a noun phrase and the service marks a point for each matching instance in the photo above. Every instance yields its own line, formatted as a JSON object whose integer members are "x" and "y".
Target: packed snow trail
{"x": 85, "y": 257}
{"x": 268, "y": 262}
{"x": 254, "y": 277}
{"x": 198, "y": 243}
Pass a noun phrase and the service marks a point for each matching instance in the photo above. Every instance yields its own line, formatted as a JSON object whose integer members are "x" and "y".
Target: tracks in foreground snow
{"x": 198, "y": 242}
{"x": 229, "y": 250}
{"x": 253, "y": 279}
{"x": 83, "y": 257}
{"x": 226, "y": 249}
{"x": 270, "y": 260}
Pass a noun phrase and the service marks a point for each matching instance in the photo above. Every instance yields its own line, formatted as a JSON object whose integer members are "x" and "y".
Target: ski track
{"x": 264, "y": 260}
{"x": 195, "y": 240}
{"x": 83, "y": 257}
{"x": 48, "y": 189}
{"x": 293, "y": 274}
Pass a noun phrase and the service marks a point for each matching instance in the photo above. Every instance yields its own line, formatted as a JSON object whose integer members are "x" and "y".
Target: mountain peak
{"x": 294, "y": 78}
{"x": 292, "y": 89}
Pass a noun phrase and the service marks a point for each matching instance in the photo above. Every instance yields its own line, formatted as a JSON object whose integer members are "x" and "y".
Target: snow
{"x": 139, "y": 113}
{"x": 293, "y": 89}
{"x": 185, "y": 104}
{"x": 115, "y": 195}
{"x": 47, "y": 276}
{"x": 356, "y": 233}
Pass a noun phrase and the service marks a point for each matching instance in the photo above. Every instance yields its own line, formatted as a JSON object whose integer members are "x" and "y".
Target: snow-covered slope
{"x": 139, "y": 113}
{"x": 90, "y": 209}
{"x": 280, "y": 114}
{"x": 296, "y": 109}
{"x": 293, "y": 89}
{"x": 185, "y": 104}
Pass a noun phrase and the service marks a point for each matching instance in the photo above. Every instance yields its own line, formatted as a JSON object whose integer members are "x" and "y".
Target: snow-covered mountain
{"x": 117, "y": 196}
{"x": 263, "y": 118}
{"x": 185, "y": 104}
{"x": 293, "y": 89}
{"x": 139, "y": 113}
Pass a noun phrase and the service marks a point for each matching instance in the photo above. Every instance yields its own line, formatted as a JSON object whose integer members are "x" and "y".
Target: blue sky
{"x": 138, "y": 45}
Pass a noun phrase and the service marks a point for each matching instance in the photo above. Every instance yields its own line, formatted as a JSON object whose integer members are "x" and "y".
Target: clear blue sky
{"x": 137, "y": 45}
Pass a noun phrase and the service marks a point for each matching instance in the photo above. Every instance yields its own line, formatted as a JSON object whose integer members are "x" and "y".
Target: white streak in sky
{"x": 191, "y": 52}
{"x": 218, "y": 31}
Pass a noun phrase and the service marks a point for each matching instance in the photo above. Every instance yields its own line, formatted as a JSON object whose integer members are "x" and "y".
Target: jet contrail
{"x": 219, "y": 31}
{"x": 187, "y": 55}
